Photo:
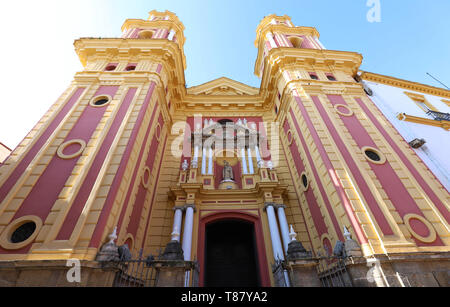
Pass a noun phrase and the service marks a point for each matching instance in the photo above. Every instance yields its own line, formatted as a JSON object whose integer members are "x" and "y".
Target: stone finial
{"x": 339, "y": 249}
{"x": 296, "y": 250}
{"x": 194, "y": 164}
{"x": 176, "y": 234}
{"x": 270, "y": 165}
{"x": 173, "y": 251}
{"x": 351, "y": 246}
{"x": 113, "y": 237}
{"x": 109, "y": 251}
{"x": 125, "y": 253}
{"x": 185, "y": 165}
{"x": 347, "y": 234}
{"x": 293, "y": 234}
{"x": 260, "y": 163}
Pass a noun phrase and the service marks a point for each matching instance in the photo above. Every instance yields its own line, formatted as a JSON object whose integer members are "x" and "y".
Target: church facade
{"x": 253, "y": 185}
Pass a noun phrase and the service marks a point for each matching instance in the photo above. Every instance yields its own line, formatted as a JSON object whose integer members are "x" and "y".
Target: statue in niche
{"x": 227, "y": 172}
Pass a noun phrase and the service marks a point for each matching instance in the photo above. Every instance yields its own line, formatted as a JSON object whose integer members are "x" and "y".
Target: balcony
{"x": 439, "y": 116}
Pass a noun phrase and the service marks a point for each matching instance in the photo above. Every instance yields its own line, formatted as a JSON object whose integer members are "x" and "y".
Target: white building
{"x": 418, "y": 112}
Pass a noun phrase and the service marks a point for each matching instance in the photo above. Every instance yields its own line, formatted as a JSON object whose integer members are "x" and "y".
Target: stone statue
{"x": 227, "y": 172}
{"x": 185, "y": 165}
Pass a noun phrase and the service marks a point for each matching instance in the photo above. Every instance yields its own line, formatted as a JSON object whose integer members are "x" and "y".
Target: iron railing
{"x": 439, "y": 116}
{"x": 333, "y": 272}
{"x": 141, "y": 272}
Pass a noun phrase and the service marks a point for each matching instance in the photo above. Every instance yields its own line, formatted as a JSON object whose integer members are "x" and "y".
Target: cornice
{"x": 128, "y": 78}
{"x": 126, "y": 47}
{"x": 268, "y": 19}
{"x": 346, "y": 61}
{"x": 424, "y": 121}
{"x": 289, "y": 58}
{"x": 197, "y": 188}
{"x": 282, "y": 28}
{"x": 161, "y": 24}
{"x": 404, "y": 84}
{"x": 244, "y": 89}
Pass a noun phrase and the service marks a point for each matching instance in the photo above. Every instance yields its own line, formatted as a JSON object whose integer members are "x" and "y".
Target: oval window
{"x": 23, "y": 232}
{"x": 101, "y": 102}
{"x": 305, "y": 181}
{"x": 110, "y": 67}
{"x": 372, "y": 155}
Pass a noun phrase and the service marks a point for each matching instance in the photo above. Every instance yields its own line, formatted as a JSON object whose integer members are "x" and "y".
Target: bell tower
{"x": 350, "y": 166}
{"x": 90, "y": 164}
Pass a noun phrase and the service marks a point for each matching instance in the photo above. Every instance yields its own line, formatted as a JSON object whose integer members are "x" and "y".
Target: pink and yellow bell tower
{"x": 99, "y": 146}
{"x": 129, "y": 155}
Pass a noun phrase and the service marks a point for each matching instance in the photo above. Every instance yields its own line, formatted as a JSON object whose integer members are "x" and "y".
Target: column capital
{"x": 269, "y": 205}
{"x": 282, "y": 206}
{"x": 190, "y": 206}
{"x": 182, "y": 208}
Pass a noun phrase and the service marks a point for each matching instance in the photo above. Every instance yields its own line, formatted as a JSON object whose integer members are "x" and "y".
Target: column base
{"x": 172, "y": 273}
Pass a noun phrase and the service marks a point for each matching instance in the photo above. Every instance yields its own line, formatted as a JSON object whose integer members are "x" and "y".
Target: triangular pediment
{"x": 223, "y": 87}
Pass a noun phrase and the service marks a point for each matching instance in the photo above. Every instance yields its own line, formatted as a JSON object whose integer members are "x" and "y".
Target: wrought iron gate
{"x": 141, "y": 272}
{"x": 333, "y": 272}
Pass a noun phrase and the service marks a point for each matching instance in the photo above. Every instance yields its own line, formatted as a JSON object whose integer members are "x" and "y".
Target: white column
{"x": 187, "y": 233}
{"x": 250, "y": 161}
{"x": 171, "y": 35}
{"x": 187, "y": 239}
{"x": 210, "y": 161}
{"x": 195, "y": 160}
{"x": 275, "y": 238}
{"x": 244, "y": 161}
{"x": 284, "y": 227}
{"x": 274, "y": 233}
{"x": 319, "y": 42}
{"x": 204, "y": 161}
{"x": 177, "y": 224}
{"x": 258, "y": 155}
{"x": 269, "y": 37}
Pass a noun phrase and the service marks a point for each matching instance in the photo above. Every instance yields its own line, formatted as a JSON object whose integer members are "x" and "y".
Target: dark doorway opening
{"x": 231, "y": 258}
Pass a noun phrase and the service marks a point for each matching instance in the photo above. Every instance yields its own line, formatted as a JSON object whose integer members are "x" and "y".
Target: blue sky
{"x": 411, "y": 40}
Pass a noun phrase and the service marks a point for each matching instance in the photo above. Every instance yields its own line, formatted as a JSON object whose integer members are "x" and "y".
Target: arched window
{"x": 146, "y": 34}
{"x": 224, "y": 122}
{"x": 331, "y": 77}
{"x": 295, "y": 41}
{"x": 313, "y": 76}
{"x": 111, "y": 67}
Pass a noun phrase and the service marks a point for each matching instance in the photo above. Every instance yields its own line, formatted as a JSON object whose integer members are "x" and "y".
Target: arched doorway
{"x": 230, "y": 255}
{"x": 220, "y": 227}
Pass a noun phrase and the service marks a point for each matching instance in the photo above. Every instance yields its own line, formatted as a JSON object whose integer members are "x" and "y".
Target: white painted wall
{"x": 436, "y": 152}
